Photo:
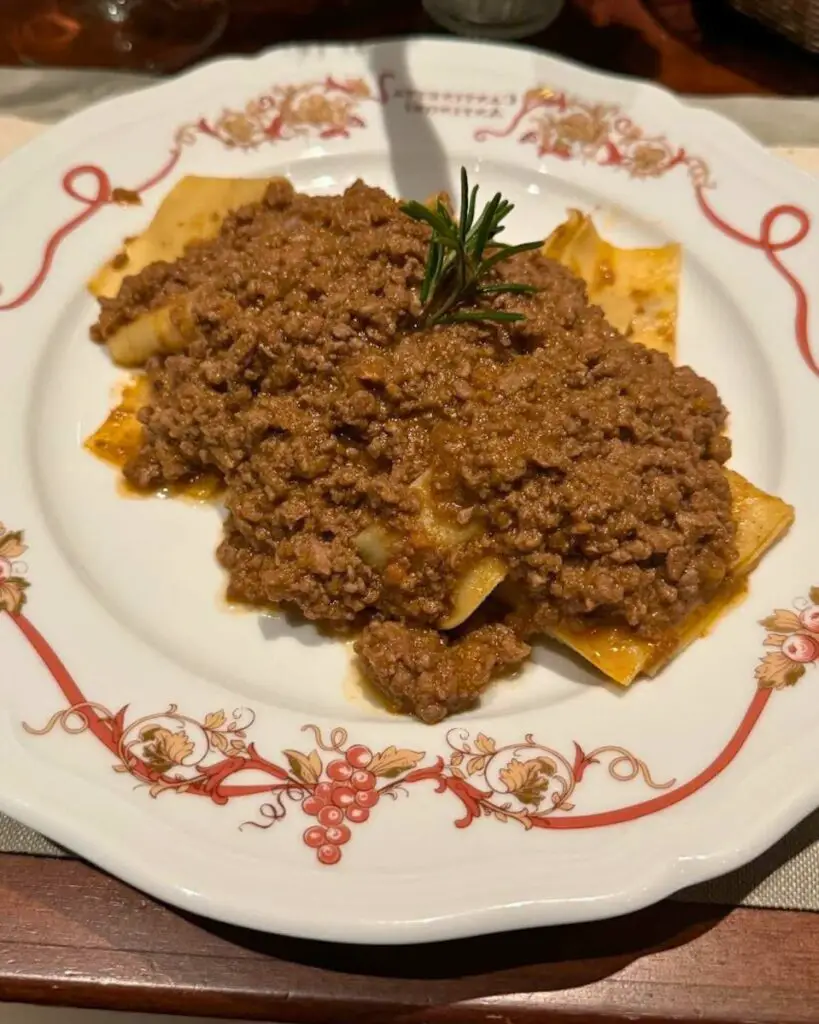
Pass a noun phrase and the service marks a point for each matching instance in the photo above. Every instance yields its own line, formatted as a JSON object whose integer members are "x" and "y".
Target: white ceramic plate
{"x": 197, "y": 735}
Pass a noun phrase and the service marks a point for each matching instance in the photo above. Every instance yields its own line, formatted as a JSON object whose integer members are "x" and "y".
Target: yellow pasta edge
{"x": 617, "y": 280}
{"x": 621, "y": 655}
{"x": 192, "y": 211}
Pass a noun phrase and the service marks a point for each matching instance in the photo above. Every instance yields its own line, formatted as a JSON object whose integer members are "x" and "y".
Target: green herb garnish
{"x": 461, "y": 255}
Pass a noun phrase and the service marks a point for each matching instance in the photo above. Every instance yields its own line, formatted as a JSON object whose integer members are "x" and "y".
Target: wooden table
{"x": 70, "y": 935}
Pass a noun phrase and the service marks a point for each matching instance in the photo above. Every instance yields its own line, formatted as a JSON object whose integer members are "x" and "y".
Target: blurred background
{"x": 694, "y": 46}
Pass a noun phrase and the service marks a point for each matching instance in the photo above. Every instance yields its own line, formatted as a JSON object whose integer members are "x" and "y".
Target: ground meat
{"x": 590, "y": 466}
{"x": 420, "y": 672}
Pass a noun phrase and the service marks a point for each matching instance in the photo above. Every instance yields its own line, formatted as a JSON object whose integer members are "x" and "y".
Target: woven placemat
{"x": 786, "y": 877}
{"x": 16, "y": 838}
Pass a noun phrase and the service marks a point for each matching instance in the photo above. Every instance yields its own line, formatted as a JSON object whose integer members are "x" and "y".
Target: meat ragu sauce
{"x": 588, "y": 465}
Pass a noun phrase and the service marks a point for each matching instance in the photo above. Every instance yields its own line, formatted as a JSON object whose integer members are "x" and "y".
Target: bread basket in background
{"x": 796, "y": 19}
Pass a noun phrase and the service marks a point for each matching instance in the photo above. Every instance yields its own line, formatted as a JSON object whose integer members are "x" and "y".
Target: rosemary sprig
{"x": 461, "y": 255}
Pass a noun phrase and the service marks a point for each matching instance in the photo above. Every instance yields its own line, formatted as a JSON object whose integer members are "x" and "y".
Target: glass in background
{"x": 494, "y": 19}
{"x": 145, "y": 35}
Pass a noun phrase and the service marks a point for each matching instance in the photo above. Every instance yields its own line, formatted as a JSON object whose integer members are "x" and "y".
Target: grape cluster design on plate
{"x": 792, "y": 642}
{"x": 345, "y": 800}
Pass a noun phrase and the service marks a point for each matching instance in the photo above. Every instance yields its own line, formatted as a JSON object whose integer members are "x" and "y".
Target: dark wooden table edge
{"x": 73, "y": 936}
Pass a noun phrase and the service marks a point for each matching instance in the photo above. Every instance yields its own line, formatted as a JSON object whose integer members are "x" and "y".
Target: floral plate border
{"x": 525, "y": 781}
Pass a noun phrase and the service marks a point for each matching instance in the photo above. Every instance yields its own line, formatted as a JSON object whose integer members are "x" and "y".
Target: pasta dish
{"x": 451, "y": 446}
